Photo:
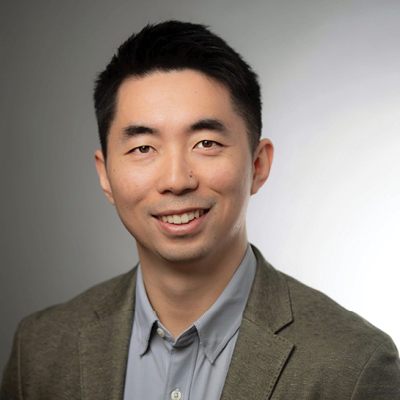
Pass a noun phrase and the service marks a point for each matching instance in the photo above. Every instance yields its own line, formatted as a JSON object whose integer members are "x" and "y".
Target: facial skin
{"x": 176, "y": 146}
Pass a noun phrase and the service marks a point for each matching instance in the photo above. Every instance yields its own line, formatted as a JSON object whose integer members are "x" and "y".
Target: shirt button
{"x": 162, "y": 334}
{"x": 176, "y": 395}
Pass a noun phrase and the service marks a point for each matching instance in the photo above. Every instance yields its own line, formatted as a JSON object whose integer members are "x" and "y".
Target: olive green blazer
{"x": 293, "y": 343}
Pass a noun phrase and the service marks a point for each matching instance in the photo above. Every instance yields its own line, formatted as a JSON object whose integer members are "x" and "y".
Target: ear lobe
{"x": 102, "y": 172}
{"x": 262, "y": 164}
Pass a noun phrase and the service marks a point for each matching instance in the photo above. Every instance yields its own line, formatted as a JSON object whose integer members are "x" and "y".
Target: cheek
{"x": 230, "y": 179}
{"x": 129, "y": 187}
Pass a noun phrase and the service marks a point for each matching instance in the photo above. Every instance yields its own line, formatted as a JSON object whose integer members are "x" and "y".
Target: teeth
{"x": 183, "y": 218}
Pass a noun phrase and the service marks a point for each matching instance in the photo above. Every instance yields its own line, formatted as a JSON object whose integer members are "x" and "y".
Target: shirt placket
{"x": 181, "y": 365}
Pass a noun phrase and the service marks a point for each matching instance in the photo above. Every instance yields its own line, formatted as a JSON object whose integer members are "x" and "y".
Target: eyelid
{"x": 137, "y": 149}
{"x": 214, "y": 143}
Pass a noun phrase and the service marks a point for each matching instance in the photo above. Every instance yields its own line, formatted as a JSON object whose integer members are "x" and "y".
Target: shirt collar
{"x": 217, "y": 325}
{"x": 145, "y": 316}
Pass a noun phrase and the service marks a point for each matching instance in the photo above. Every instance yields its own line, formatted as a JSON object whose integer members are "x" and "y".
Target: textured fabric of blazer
{"x": 293, "y": 343}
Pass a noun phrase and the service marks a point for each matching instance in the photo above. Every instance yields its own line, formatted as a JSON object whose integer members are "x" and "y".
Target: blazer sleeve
{"x": 10, "y": 387}
{"x": 380, "y": 377}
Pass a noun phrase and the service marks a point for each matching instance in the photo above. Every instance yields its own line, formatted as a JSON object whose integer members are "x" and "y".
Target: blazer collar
{"x": 104, "y": 344}
{"x": 260, "y": 354}
{"x": 269, "y": 301}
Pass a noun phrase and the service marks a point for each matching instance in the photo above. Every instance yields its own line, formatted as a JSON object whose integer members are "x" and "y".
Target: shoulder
{"x": 336, "y": 353}
{"x": 314, "y": 315}
{"x": 321, "y": 316}
{"x": 46, "y": 350}
{"x": 336, "y": 345}
{"x": 82, "y": 309}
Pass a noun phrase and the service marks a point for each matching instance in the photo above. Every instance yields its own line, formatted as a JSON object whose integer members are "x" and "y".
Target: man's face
{"x": 179, "y": 168}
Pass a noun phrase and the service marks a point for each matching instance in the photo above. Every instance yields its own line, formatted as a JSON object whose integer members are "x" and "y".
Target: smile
{"x": 185, "y": 218}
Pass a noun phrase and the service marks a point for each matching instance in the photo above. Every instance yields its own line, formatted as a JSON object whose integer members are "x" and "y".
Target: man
{"x": 203, "y": 315}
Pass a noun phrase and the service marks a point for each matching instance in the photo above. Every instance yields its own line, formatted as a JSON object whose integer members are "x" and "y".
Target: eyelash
{"x": 212, "y": 142}
{"x": 137, "y": 149}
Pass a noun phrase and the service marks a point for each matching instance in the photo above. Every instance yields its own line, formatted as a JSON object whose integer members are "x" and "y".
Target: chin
{"x": 184, "y": 254}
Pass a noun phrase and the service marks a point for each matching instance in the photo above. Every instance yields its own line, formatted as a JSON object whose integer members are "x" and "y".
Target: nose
{"x": 176, "y": 175}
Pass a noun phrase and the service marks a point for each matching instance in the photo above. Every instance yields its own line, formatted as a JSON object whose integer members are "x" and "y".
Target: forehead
{"x": 175, "y": 97}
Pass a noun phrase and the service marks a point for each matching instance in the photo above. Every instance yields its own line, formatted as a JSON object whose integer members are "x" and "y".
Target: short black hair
{"x": 174, "y": 46}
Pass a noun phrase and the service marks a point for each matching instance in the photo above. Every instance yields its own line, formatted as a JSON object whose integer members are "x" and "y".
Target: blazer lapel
{"x": 104, "y": 344}
{"x": 256, "y": 364}
{"x": 260, "y": 354}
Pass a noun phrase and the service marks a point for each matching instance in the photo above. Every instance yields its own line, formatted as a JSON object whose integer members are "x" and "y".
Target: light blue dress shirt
{"x": 194, "y": 366}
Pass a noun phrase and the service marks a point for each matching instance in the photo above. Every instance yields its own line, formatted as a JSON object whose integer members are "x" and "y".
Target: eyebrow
{"x": 135, "y": 130}
{"x": 209, "y": 124}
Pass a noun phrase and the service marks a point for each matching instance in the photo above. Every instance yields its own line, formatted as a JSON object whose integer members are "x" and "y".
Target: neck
{"x": 181, "y": 293}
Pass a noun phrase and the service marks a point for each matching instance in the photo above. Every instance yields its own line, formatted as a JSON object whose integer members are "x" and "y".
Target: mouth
{"x": 182, "y": 218}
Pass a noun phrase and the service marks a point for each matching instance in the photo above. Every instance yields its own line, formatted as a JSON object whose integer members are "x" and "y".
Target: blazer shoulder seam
{"x": 366, "y": 363}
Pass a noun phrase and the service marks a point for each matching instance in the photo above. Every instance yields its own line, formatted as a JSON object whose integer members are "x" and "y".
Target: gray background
{"x": 329, "y": 214}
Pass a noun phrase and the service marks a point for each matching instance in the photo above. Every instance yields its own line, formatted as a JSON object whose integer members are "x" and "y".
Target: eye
{"x": 142, "y": 149}
{"x": 207, "y": 144}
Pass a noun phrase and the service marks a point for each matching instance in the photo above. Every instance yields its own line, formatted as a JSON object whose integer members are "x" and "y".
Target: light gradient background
{"x": 330, "y": 213}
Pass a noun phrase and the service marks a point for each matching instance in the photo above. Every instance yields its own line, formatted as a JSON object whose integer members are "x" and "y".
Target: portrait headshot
{"x": 200, "y": 200}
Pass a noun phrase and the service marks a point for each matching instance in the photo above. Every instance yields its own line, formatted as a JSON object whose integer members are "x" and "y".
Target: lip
{"x": 189, "y": 228}
{"x": 179, "y": 212}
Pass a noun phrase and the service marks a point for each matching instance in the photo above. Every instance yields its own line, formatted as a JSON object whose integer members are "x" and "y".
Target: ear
{"x": 262, "y": 164}
{"x": 102, "y": 172}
